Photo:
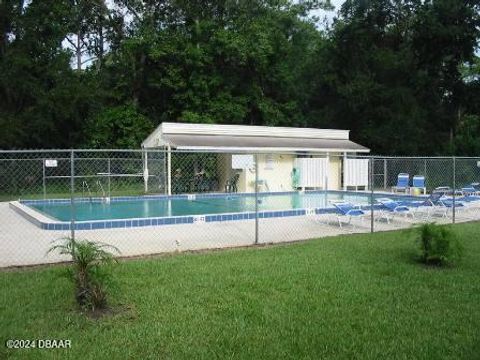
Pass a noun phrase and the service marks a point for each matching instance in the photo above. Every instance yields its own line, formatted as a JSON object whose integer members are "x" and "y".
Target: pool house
{"x": 288, "y": 158}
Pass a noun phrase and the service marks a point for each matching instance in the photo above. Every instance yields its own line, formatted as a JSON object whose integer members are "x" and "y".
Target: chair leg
{"x": 354, "y": 227}
{"x": 350, "y": 221}
{"x": 384, "y": 215}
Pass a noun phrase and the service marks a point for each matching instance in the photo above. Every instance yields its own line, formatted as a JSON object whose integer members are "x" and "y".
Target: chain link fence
{"x": 156, "y": 201}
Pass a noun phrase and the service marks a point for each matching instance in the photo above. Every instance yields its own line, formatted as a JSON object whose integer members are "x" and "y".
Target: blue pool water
{"x": 164, "y": 207}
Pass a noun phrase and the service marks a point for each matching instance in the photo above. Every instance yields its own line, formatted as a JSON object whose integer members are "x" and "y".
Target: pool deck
{"x": 22, "y": 243}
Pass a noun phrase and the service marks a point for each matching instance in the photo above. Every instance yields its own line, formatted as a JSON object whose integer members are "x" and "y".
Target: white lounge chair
{"x": 390, "y": 208}
{"x": 346, "y": 210}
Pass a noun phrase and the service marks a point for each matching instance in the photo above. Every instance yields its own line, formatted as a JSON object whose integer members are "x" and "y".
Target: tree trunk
{"x": 100, "y": 49}
{"x": 78, "y": 51}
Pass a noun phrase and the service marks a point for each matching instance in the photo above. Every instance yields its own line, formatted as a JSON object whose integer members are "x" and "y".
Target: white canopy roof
{"x": 244, "y": 138}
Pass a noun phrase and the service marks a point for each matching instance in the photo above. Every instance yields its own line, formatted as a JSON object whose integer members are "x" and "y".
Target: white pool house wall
{"x": 317, "y": 171}
{"x": 278, "y": 150}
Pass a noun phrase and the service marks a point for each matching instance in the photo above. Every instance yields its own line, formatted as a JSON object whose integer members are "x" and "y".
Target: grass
{"x": 358, "y": 296}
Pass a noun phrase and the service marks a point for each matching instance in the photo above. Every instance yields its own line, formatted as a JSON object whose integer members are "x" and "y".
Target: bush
{"x": 89, "y": 273}
{"x": 439, "y": 245}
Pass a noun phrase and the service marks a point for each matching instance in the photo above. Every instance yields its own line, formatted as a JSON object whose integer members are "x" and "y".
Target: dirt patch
{"x": 124, "y": 310}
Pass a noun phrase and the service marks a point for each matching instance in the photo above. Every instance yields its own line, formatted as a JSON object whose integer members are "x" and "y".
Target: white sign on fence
{"x": 51, "y": 163}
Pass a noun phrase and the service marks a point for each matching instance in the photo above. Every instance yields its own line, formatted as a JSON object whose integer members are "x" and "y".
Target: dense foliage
{"x": 401, "y": 74}
{"x": 439, "y": 245}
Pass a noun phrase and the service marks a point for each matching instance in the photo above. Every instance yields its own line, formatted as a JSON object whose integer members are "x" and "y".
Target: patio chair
{"x": 447, "y": 191}
{"x": 403, "y": 180}
{"x": 231, "y": 184}
{"x": 390, "y": 208}
{"x": 468, "y": 198}
{"x": 346, "y": 210}
{"x": 200, "y": 183}
{"x": 427, "y": 206}
{"x": 467, "y": 203}
{"x": 418, "y": 182}
{"x": 437, "y": 203}
{"x": 446, "y": 204}
{"x": 471, "y": 190}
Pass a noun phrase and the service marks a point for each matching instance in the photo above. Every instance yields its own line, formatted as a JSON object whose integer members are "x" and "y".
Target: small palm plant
{"x": 89, "y": 271}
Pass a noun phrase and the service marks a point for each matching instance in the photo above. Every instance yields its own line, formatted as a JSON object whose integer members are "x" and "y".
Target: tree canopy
{"x": 403, "y": 75}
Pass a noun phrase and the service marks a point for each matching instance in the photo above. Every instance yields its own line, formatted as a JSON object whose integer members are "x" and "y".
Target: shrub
{"x": 89, "y": 272}
{"x": 439, "y": 245}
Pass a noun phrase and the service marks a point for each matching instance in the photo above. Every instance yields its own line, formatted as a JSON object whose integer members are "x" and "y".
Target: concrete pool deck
{"x": 22, "y": 243}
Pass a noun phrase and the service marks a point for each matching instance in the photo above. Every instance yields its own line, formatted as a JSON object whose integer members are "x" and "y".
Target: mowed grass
{"x": 358, "y": 296}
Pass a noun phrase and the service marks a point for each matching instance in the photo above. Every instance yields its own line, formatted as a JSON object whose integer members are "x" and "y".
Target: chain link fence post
{"x": 72, "y": 195}
{"x": 385, "y": 178}
{"x": 454, "y": 189}
{"x": 372, "y": 186}
{"x": 44, "y": 180}
{"x": 256, "y": 198}
{"x": 109, "y": 172}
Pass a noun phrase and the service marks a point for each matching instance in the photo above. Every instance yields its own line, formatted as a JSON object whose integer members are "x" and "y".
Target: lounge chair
{"x": 426, "y": 206}
{"x": 468, "y": 198}
{"x": 446, "y": 204}
{"x": 437, "y": 203}
{"x": 468, "y": 203}
{"x": 418, "y": 182}
{"x": 390, "y": 208}
{"x": 471, "y": 190}
{"x": 403, "y": 180}
{"x": 444, "y": 190}
{"x": 346, "y": 210}
{"x": 447, "y": 191}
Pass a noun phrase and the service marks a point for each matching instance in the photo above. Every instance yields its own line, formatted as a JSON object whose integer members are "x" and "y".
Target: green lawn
{"x": 359, "y": 296}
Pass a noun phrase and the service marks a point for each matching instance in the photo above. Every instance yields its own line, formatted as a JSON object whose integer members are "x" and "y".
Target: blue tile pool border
{"x": 39, "y": 220}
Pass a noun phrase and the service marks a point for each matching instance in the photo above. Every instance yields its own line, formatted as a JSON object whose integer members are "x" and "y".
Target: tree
{"x": 400, "y": 74}
{"x": 445, "y": 34}
{"x": 222, "y": 61}
{"x": 88, "y": 25}
{"x": 44, "y": 103}
{"x": 121, "y": 127}
{"x": 393, "y": 65}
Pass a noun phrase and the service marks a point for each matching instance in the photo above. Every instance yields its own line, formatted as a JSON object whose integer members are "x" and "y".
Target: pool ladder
{"x": 105, "y": 198}
{"x": 85, "y": 186}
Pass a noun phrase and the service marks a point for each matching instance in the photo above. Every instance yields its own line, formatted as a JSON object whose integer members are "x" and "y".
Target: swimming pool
{"x": 179, "y": 209}
{"x": 160, "y": 207}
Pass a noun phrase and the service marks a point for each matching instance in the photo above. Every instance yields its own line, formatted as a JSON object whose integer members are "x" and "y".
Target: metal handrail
{"x": 85, "y": 186}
